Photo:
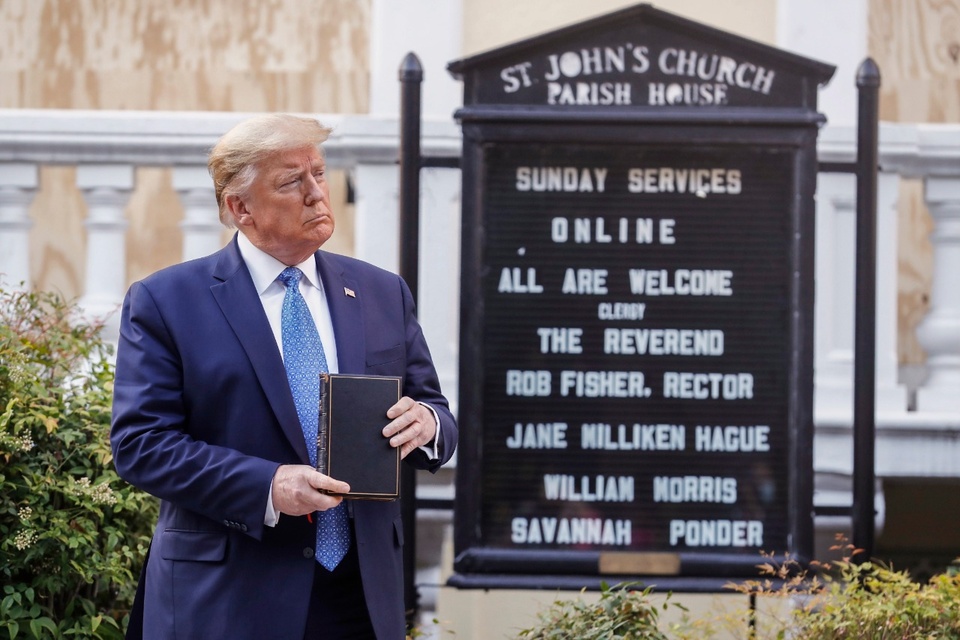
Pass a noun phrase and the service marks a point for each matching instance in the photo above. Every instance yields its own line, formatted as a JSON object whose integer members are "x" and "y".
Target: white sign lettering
{"x": 663, "y": 342}
{"x": 569, "y": 179}
{"x": 549, "y": 435}
{"x": 602, "y": 230}
{"x": 716, "y": 533}
{"x": 675, "y": 180}
{"x": 707, "y": 386}
{"x": 621, "y": 310}
{"x": 570, "y": 531}
{"x": 637, "y": 437}
{"x": 694, "y": 489}
{"x": 703, "y": 78}
{"x": 529, "y": 383}
{"x": 603, "y": 384}
{"x": 681, "y": 282}
{"x": 589, "y": 488}
{"x": 732, "y": 438}
{"x": 560, "y": 339}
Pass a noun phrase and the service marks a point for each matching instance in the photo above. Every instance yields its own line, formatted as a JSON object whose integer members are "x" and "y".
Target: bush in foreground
{"x": 841, "y": 600}
{"x": 621, "y": 612}
{"x": 72, "y": 533}
{"x": 848, "y": 600}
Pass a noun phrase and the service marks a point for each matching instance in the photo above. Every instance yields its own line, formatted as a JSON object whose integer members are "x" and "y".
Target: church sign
{"x": 637, "y": 305}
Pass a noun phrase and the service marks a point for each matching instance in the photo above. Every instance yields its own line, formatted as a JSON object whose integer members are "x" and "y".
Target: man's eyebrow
{"x": 293, "y": 170}
{"x": 285, "y": 173}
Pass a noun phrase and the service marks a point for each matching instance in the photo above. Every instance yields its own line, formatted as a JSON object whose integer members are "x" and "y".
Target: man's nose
{"x": 314, "y": 192}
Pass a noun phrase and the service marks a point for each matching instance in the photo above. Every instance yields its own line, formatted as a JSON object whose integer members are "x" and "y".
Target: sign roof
{"x": 640, "y": 56}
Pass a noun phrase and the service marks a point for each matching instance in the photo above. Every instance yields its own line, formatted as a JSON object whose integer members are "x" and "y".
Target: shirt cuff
{"x": 432, "y": 450}
{"x": 272, "y": 516}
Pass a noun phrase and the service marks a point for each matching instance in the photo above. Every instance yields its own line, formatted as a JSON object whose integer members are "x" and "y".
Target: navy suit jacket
{"x": 202, "y": 418}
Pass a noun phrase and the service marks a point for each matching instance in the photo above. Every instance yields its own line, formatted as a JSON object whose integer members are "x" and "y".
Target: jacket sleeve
{"x": 423, "y": 385}
{"x": 152, "y": 437}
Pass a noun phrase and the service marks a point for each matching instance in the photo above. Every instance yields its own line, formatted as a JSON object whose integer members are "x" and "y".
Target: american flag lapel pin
{"x": 349, "y": 292}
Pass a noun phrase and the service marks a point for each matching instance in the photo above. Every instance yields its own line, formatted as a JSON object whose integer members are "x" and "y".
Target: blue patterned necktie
{"x": 304, "y": 361}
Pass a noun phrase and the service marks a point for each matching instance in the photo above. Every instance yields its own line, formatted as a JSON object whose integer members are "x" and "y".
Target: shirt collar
{"x": 264, "y": 268}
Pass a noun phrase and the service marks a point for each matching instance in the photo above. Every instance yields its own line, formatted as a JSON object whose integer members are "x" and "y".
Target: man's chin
{"x": 321, "y": 232}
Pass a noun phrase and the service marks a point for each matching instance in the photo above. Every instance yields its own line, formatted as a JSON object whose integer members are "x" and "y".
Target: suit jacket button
{"x": 308, "y": 552}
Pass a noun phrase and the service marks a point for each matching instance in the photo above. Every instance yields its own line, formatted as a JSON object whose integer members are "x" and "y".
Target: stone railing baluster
{"x": 835, "y": 280}
{"x": 202, "y": 231}
{"x": 939, "y": 332}
{"x": 18, "y": 186}
{"x": 106, "y": 189}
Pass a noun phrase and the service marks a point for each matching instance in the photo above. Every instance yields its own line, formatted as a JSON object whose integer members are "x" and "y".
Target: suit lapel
{"x": 241, "y": 306}
{"x": 344, "y": 301}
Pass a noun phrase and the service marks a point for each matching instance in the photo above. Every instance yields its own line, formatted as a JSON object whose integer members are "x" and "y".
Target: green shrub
{"x": 621, "y": 612}
{"x": 850, "y": 600}
{"x": 840, "y": 600}
{"x": 72, "y": 533}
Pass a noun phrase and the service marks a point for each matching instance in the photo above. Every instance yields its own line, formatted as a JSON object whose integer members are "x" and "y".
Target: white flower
{"x": 24, "y": 540}
{"x": 103, "y": 494}
{"x": 25, "y": 442}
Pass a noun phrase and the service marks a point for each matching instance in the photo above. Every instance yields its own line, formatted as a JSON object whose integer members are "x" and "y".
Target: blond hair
{"x": 233, "y": 160}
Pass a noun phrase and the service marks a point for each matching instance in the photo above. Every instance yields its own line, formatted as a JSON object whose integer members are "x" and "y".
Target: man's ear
{"x": 238, "y": 210}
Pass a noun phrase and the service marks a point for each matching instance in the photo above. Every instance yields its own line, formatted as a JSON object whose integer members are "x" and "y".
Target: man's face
{"x": 286, "y": 212}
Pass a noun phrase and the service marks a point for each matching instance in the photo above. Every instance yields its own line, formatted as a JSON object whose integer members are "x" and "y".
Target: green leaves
{"x": 19, "y": 607}
{"x": 842, "y": 600}
{"x": 621, "y": 612}
{"x": 72, "y": 533}
{"x": 870, "y": 601}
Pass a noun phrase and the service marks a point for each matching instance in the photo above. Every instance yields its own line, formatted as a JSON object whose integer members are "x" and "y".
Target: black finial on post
{"x": 868, "y": 74}
{"x": 410, "y": 69}
{"x": 865, "y": 321}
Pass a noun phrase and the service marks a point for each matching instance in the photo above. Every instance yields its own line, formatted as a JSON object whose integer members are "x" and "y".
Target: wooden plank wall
{"x": 916, "y": 44}
{"x": 236, "y": 55}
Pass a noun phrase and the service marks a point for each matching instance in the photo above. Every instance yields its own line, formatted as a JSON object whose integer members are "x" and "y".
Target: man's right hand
{"x": 297, "y": 490}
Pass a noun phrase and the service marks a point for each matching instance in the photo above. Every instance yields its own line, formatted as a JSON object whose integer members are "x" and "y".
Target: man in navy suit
{"x": 204, "y": 417}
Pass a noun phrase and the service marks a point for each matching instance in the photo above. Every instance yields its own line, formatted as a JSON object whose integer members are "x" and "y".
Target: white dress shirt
{"x": 264, "y": 270}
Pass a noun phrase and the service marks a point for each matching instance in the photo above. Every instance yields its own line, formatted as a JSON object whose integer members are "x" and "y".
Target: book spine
{"x": 323, "y": 424}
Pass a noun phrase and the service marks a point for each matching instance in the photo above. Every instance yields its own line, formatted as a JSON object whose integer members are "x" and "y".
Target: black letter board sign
{"x": 637, "y": 306}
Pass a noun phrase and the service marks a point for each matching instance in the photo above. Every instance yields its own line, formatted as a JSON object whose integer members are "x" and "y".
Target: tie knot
{"x": 290, "y": 277}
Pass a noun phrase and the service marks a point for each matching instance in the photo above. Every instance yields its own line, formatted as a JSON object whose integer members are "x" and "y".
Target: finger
{"x": 293, "y": 492}
{"x": 410, "y": 427}
{"x": 323, "y": 482}
{"x": 320, "y": 498}
{"x": 407, "y": 449}
{"x": 408, "y": 436}
{"x": 403, "y": 405}
{"x": 327, "y": 502}
{"x": 401, "y": 422}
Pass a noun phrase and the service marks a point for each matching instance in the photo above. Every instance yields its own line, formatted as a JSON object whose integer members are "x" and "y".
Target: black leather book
{"x": 350, "y": 442}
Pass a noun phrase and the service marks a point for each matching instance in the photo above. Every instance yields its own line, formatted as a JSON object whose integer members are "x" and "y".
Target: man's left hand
{"x": 412, "y": 426}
